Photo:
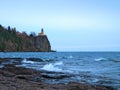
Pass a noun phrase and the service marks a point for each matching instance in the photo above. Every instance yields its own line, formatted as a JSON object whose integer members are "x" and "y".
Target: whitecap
{"x": 100, "y": 59}
{"x": 28, "y": 62}
{"x": 53, "y": 67}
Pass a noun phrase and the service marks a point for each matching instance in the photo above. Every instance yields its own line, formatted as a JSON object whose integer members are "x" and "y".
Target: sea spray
{"x": 53, "y": 67}
{"x": 27, "y": 61}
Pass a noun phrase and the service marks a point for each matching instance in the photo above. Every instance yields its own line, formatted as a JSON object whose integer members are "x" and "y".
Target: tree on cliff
{"x": 33, "y": 34}
{"x": 12, "y": 40}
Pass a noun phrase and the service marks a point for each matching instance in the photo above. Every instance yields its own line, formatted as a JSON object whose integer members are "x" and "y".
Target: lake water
{"x": 100, "y": 68}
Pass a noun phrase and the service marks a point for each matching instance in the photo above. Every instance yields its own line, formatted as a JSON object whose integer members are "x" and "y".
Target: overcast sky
{"x": 71, "y": 25}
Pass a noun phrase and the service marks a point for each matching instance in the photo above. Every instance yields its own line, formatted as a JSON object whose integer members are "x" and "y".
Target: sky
{"x": 71, "y": 25}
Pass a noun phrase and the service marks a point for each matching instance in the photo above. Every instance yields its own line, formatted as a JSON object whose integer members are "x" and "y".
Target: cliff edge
{"x": 42, "y": 43}
{"x": 14, "y": 41}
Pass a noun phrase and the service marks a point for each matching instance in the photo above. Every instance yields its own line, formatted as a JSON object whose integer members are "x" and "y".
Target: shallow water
{"x": 101, "y": 68}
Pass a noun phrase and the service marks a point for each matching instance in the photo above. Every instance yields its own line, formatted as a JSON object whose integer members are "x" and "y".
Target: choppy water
{"x": 102, "y": 68}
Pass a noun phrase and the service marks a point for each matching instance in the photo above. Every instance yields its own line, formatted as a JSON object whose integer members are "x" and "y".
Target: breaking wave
{"x": 27, "y": 61}
{"x": 53, "y": 67}
{"x": 100, "y": 59}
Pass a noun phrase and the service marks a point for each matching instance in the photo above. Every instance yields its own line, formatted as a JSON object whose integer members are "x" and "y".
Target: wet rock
{"x": 14, "y": 61}
{"x": 55, "y": 75}
{"x": 2, "y": 59}
{"x": 7, "y": 74}
{"x": 79, "y": 86}
{"x": 19, "y": 70}
{"x": 26, "y": 77}
{"x": 35, "y": 59}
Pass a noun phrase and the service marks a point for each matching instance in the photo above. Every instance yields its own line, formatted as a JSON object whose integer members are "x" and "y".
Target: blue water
{"x": 100, "y": 68}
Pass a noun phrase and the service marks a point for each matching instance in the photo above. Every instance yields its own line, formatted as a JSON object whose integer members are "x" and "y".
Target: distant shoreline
{"x": 12, "y": 40}
{"x": 66, "y": 51}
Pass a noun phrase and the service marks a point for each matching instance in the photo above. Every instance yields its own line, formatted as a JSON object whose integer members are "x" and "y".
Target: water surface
{"x": 101, "y": 68}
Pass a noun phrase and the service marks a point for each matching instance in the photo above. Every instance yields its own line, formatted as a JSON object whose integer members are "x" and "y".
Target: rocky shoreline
{"x": 20, "y": 78}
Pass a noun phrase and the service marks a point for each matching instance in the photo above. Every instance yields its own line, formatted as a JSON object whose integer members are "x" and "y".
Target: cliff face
{"x": 11, "y": 40}
{"x": 42, "y": 43}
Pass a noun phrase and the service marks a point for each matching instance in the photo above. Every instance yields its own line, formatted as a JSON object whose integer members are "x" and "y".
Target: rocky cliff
{"x": 12, "y": 40}
{"x": 42, "y": 43}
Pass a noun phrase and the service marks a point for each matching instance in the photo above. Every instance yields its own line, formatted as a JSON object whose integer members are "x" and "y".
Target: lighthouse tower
{"x": 42, "y": 32}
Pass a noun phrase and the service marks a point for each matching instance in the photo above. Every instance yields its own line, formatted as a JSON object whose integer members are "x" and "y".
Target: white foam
{"x": 52, "y": 67}
{"x": 100, "y": 59}
{"x": 28, "y": 62}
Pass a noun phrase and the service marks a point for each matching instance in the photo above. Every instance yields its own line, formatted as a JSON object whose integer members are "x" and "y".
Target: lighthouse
{"x": 42, "y": 32}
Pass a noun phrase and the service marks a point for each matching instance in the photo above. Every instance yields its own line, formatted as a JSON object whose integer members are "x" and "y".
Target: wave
{"x": 27, "y": 61}
{"x": 115, "y": 60}
{"x": 53, "y": 67}
{"x": 100, "y": 59}
{"x": 107, "y": 59}
{"x": 1, "y": 66}
{"x": 68, "y": 57}
{"x": 34, "y": 60}
{"x": 50, "y": 60}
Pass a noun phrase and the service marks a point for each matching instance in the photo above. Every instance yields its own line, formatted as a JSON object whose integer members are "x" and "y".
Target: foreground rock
{"x": 19, "y": 78}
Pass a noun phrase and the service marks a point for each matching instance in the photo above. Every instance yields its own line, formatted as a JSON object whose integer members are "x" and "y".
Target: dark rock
{"x": 21, "y": 76}
{"x": 35, "y": 59}
{"x": 55, "y": 76}
{"x": 19, "y": 70}
{"x": 14, "y": 61}
{"x": 7, "y": 74}
{"x": 78, "y": 86}
{"x": 26, "y": 77}
{"x": 42, "y": 43}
